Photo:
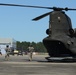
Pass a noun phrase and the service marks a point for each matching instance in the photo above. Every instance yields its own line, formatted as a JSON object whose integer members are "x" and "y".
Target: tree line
{"x": 38, "y": 47}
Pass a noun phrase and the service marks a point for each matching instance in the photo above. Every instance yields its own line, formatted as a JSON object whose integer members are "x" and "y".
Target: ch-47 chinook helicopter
{"x": 61, "y": 39}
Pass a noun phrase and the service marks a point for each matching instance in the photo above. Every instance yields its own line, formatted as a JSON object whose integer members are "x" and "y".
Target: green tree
{"x": 38, "y": 47}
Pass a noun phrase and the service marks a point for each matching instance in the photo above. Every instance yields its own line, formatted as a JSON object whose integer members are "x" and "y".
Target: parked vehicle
{"x": 20, "y": 53}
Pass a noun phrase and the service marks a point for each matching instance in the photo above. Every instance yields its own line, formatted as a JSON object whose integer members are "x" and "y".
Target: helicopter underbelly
{"x": 56, "y": 48}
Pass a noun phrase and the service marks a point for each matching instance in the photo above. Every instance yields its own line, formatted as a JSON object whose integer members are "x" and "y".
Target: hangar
{"x": 7, "y": 41}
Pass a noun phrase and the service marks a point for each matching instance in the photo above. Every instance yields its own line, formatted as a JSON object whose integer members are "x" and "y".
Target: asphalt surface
{"x": 20, "y": 65}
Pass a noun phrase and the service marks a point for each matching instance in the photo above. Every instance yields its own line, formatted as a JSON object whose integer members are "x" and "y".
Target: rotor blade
{"x": 54, "y": 8}
{"x": 41, "y": 16}
{"x": 68, "y": 9}
{"x": 3, "y": 4}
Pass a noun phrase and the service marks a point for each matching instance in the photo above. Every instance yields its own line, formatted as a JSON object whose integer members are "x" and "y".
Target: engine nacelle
{"x": 48, "y": 31}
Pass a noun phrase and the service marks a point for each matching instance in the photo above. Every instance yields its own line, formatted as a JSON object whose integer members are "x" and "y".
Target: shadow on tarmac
{"x": 66, "y": 60}
{"x": 58, "y": 61}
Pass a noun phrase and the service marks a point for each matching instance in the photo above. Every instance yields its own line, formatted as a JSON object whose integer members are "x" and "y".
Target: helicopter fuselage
{"x": 61, "y": 40}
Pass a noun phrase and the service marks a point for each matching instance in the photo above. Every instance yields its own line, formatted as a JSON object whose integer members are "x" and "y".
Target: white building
{"x": 7, "y": 41}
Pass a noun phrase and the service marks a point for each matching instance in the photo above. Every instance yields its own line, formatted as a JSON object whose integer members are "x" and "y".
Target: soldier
{"x": 30, "y": 48}
{"x": 0, "y": 51}
{"x": 7, "y": 49}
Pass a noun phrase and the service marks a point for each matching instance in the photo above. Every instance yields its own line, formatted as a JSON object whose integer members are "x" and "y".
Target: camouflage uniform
{"x": 30, "y": 52}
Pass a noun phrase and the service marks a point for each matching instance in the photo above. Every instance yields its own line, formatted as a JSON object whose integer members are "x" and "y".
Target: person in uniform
{"x": 0, "y": 51}
{"x": 31, "y": 49}
{"x": 7, "y": 55}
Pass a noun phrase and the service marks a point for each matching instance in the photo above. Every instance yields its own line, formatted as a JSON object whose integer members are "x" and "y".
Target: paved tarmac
{"x": 19, "y": 65}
